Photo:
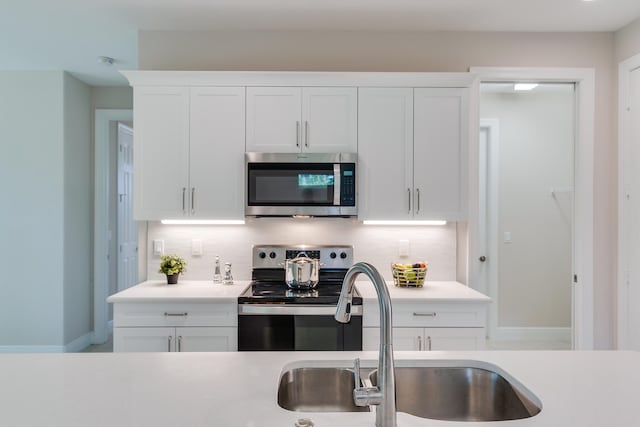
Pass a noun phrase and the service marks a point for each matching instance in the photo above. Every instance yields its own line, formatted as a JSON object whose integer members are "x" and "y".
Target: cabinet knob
{"x": 482, "y": 258}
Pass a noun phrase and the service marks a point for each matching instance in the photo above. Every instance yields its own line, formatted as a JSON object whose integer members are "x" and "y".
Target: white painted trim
{"x": 79, "y": 343}
{"x": 285, "y": 78}
{"x": 31, "y": 349}
{"x": 624, "y": 69}
{"x": 488, "y": 271}
{"x": 583, "y": 257}
{"x": 100, "y": 227}
{"x": 532, "y": 334}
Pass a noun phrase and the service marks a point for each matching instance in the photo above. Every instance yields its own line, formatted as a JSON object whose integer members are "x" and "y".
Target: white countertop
{"x": 183, "y": 291}
{"x": 586, "y": 389}
{"x": 207, "y": 291}
{"x": 432, "y": 291}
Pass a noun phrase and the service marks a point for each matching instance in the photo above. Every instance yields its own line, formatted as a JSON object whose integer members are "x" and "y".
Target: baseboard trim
{"x": 532, "y": 334}
{"x": 79, "y": 343}
{"x": 31, "y": 349}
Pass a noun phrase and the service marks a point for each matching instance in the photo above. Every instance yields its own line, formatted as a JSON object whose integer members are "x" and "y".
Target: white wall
{"x": 77, "y": 195}
{"x": 535, "y": 154}
{"x": 377, "y": 245}
{"x": 627, "y": 41}
{"x": 421, "y": 51}
{"x": 31, "y": 208}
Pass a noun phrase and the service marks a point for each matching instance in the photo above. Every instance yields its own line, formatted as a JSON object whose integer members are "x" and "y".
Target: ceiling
{"x": 71, "y": 34}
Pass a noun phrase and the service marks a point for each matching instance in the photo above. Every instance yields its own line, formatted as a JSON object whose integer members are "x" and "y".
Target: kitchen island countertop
{"x": 586, "y": 389}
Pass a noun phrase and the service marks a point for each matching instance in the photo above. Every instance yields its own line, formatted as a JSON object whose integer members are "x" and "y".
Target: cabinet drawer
{"x": 429, "y": 315}
{"x": 175, "y": 314}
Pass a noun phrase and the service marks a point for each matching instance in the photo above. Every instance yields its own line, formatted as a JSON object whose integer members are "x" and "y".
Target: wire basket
{"x": 408, "y": 276}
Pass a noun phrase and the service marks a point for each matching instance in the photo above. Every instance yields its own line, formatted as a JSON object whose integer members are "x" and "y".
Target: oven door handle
{"x": 293, "y": 309}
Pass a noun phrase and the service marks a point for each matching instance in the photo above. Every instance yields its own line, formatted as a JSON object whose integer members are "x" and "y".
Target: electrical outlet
{"x": 158, "y": 247}
{"x": 196, "y": 247}
{"x": 403, "y": 248}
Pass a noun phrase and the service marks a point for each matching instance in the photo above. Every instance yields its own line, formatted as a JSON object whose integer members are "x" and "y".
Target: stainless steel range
{"x": 274, "y": 316}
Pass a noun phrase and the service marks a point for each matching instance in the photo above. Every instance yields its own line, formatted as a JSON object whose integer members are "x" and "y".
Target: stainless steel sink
{"x": 455, "y": 393}
{"x": 318, "y": 390}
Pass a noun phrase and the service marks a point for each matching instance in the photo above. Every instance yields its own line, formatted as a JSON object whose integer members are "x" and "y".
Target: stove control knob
{"x": 343, "y": 255}
{"x": 333, "y": 255}
{"x": 262, "y": 255}
{"x": 272, "y": 255}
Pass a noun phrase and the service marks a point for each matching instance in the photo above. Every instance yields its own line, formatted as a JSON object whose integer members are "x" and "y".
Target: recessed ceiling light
{"x": 524, "y": 86}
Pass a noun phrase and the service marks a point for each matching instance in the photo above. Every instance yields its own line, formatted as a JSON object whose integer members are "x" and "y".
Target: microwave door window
{"x": 291, "y": 186}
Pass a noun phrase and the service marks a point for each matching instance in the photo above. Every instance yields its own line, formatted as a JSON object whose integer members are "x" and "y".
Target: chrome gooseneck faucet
{"x": 383, "y": 396}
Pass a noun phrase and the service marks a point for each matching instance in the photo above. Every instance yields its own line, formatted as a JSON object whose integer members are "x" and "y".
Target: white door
{"x": 127, "y": 227}
{"x": 385, "y": 153}
{"x": 274, "y": 119}
{"x": 529, "y": 206}
{"x": 454, "y": 339}
{"x": 217, "y": 131}
{"x": 630, "y": 225}
{"x": 144, "y": 339}
{"x": 329, "y": 120}
{"x": 207, "y": 339}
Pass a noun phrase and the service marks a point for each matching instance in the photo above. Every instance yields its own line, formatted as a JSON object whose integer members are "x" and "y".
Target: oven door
{"x": 296, "y": 332}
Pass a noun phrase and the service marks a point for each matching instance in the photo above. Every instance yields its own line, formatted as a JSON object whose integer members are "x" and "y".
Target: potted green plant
{"x": 172, "y": 266}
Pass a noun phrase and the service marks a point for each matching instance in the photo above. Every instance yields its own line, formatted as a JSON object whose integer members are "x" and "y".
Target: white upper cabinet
{"x": 161, "y": 152}
{"x": 293, "y": 119}
{"x": 412, "y": 153}
{"x": 385, "y": 153}
{"x": 189, "y": 153}
{"x": 440, "y": 153}
{"x": 217, "y": 153}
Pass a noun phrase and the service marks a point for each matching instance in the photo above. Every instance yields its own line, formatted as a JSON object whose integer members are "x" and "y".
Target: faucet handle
{"x": 356, "y": 373}
{"x": 364, "y": 396}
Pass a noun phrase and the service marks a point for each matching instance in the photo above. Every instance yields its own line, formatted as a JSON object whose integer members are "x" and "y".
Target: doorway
{"x": 526, "y": 155}
{"x": 629, "y": 206}
{"x": 584, "y": 261}
{"x": 115, "y": 264}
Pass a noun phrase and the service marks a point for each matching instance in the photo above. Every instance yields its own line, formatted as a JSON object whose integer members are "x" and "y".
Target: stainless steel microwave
{"x": 300, "y": 184}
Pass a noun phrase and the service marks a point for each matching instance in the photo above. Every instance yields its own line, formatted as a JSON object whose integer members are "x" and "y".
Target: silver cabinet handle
{"x": 417, "y": 200}
{"x": 409, "y": 199}
{"x": 179, "y": 343}
{"x": 429, "y": 343}
{"x": 419, "y": 343}
{"x": 167, "y": 314}
{"x": 297, "y": 133}
{"x": 427, "y": 314}
{"x": 193, "y": 200}
{"x": 306, "y": 133}
{"x": 184, "y": 205}
{"x": 169, "y": 344}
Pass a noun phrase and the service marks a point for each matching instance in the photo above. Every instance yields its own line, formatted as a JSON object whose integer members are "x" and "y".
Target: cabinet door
{"x": 385, "y": 153}
{"x": 329, "y": 120}
{"x": 206, "y": 339}
{"x": 454, "y": 338}
{"x": 440, "y": 146}
{"x": 404, "y": 339}
{"x": 143, "y": 339}
{"x": 161, "y": 152}
{"x": 274, "y": 119}
{"x": 216, "y": 149}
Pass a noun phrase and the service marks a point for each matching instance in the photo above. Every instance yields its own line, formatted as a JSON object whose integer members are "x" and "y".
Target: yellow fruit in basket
{"x": 399, "y": 266}
{"x": 408, "y": 265}
{"x": 411, "y": 275}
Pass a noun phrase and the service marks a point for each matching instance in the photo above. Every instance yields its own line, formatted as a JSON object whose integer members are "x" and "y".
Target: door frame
{"x": 624, "y": 69}
{"x": 102, "y": 121}
{"x": 583, "y": 235}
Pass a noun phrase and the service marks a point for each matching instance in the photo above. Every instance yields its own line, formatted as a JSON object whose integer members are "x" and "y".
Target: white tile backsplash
{"x": 377, "y": 245}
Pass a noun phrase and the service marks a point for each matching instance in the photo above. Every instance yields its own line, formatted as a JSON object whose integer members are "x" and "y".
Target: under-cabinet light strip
{"x": 373, "y": 222}
{"x": 202, "y": 221}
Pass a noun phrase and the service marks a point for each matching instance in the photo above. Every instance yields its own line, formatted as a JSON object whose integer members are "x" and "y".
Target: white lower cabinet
{"x": 175, "y": 327}
{"x": 175, "y": 339}
{"x": 424, "y": 326}
{"x": 427, "y": 339}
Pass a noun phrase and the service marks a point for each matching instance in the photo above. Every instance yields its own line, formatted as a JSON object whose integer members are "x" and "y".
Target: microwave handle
{"x": 336, "y": 184}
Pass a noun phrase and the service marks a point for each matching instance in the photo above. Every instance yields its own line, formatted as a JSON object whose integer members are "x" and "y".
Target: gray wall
{"x": 418, "y": 51}
{"x": 627, "y": 41}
